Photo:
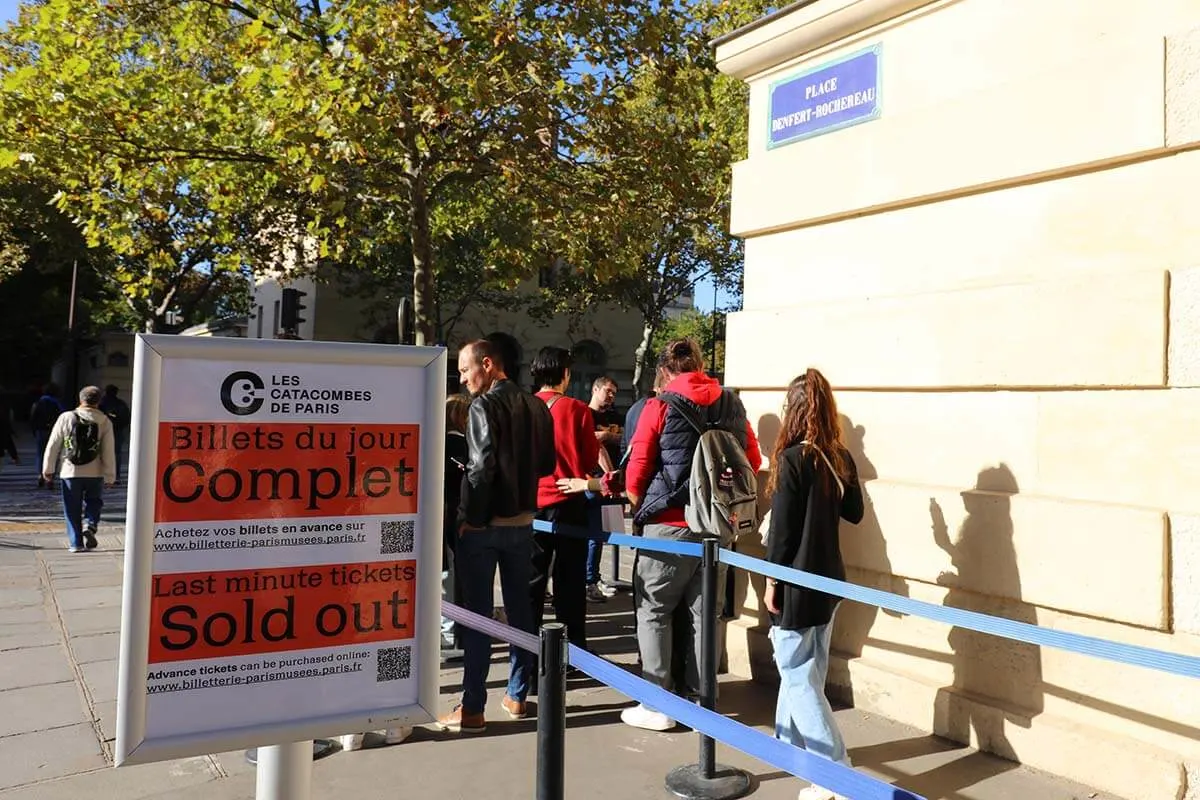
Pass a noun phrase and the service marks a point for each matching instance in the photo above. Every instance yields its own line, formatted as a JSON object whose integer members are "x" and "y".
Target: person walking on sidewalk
{"x": 118, "y": 413}
{"x": 84, "y": 438}
{"x": 8, "y": 447}
{"x": 815, "y": 484}
{"x": 510, "y": 442}
{"x": 658, "y": 482}
{"x": 42, "y": 415}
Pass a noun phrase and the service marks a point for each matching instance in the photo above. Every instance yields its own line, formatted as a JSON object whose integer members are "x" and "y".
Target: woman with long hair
{"x": 813, "y": 485}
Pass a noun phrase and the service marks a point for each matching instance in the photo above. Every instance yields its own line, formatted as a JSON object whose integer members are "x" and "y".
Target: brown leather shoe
{"x": 461, "y": 721}
{"x": 514, "y": 708}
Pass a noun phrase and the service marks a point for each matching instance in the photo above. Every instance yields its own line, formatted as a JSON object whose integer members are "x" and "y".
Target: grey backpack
{"x": 723, "y": 500}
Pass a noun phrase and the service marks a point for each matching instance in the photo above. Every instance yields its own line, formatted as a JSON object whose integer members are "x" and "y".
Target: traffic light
{"x": 289, "y": 312}
{"x": 405, "y": 320}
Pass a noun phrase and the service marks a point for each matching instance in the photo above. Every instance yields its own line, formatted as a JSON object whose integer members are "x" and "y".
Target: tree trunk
{"x": 644, "y": 366}
{"x": 424, "y": 281}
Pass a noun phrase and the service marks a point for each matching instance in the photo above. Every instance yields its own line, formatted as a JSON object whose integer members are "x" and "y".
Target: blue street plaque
{"x": 832, "y": 96}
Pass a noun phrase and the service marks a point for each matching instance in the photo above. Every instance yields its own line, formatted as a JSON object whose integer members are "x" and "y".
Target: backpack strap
{"x": 686, "y": 408}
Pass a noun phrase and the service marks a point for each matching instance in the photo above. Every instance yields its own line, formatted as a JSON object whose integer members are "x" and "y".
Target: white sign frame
{"x": 132, "y": 745}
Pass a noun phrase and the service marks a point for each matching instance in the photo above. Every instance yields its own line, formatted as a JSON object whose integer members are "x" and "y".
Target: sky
{"x": 704, "y": 290}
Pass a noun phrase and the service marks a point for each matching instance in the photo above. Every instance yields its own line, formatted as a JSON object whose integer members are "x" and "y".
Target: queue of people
{"x": 538, "y": 456}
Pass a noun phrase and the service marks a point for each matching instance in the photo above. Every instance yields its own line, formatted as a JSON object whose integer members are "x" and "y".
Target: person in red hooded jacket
{"x": 657, "y": 481}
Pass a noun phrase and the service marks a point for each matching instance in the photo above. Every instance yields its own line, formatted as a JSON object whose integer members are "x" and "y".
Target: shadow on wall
{"x": 863, "y": 543}
{"x": 1007, "y": 672}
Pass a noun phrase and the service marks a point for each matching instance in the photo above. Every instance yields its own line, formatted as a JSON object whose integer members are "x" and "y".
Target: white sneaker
{"x": 351, "y": 741}
{"x": 605, "y": 589}
{"x": 396, "y": 735}
{"x": 815, "y": 792}
{"x": 647, "y": 719}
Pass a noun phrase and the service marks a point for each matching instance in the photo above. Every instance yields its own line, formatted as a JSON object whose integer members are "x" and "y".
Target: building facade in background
{"x": 977, "y": 217}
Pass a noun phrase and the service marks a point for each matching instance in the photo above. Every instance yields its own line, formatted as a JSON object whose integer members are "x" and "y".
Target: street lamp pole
{"x": 72, "y": 339}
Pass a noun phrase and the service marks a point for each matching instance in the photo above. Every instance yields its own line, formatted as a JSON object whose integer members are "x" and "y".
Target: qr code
{"x": 396, "y": 536}
{"x": 393, "y": 664}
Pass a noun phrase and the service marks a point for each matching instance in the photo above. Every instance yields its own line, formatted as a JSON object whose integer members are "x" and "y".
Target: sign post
{"x": 282, "y": 565}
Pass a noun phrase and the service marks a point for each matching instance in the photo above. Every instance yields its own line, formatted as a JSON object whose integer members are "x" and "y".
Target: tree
{"x": 706, "y": 328}
{"x": 654, "y": 203}
{"x": 353, "y": 121}
{"x": 39, "y": 250}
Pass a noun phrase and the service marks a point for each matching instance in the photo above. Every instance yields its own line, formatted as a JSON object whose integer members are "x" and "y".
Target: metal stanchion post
{"x": 284, "y": 772}
{"x": 552, "y": 712}
{"x": 706, "y": 779}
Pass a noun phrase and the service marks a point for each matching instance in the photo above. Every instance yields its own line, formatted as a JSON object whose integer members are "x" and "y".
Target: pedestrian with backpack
{"x": 814, "y": 485}
{"x": 84, "y": 439}
{"x": 692, "y": 473}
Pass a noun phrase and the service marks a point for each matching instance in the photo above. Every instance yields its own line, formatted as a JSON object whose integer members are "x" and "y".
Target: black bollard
{"x": 706, "y": 779}
{"x": 552, "y": 712}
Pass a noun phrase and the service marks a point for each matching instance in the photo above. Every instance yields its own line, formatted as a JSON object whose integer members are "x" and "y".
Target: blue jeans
{"x": 595, "y": 548}
{"x": 476, "y": 557}
{"x": 82, "y": 502}
{"x": 803, "y": 716}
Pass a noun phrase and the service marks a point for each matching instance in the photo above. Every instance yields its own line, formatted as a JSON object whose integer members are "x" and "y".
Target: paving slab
{"x": 23, "y": 614}
{"x": 33, "y": 757}
{"x": 85, "y": 621}
{"x": 34, "y": 666}
{"x": 15, "y": 598}
{"x": 127, "y": 783}
{"x": 86, "y": 581}
{"x": 27, "y": 634}
{"x": 39, "y": 708}
{"x": 96, "y": 647}
{"x": 75, "y": 599}
{"x": 106, "y": 716}
{"x": 101, "y": 680}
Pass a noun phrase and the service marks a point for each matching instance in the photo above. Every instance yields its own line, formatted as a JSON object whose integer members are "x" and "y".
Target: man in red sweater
{"x": 577, "y": 454}
{"x": 658, "y": 484}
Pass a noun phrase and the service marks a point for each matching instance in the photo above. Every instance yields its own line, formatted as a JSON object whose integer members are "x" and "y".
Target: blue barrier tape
{"x": 493, "y": 628}
{"x": 683, "y": 548}
{"x": 1176, "y": 663}
{"x": 835, "y": 777}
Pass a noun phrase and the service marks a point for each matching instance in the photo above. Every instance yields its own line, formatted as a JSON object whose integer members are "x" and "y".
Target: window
{"x": 591, "y": 359}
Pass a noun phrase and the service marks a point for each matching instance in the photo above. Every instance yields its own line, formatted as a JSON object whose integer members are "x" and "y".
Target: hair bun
{"x": 681, "y": 350}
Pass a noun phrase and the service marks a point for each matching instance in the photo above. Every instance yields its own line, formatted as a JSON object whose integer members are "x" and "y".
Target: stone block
{"x": 1185, "y": 572}
{"x": 1183, "y": 88}
{"x": 1107, "y": 105}
{"x": 1130, "y": 447}
{"x": 1183, "y": 349}
{"x": 1002, "y": 336}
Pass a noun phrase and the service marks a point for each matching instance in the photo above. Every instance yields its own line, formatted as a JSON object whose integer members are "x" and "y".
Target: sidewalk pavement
{"x": 59, "y": 637}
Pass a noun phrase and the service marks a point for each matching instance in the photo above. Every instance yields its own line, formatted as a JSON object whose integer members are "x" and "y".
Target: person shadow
{"x": 997, "y": 681}
{"x": 865, "y": 551}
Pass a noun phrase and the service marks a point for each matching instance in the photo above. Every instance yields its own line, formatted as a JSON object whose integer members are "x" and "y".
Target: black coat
{"x": 805, "y": 516}
{"x": 510, "y": 441}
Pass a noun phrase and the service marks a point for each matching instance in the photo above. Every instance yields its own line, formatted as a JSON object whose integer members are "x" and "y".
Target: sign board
{"x": 826, "y": 98}
{"x": 283, "y": 550}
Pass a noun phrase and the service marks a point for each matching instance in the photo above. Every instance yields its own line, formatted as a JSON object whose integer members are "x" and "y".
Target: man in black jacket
{"x": 510, "y": 441}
